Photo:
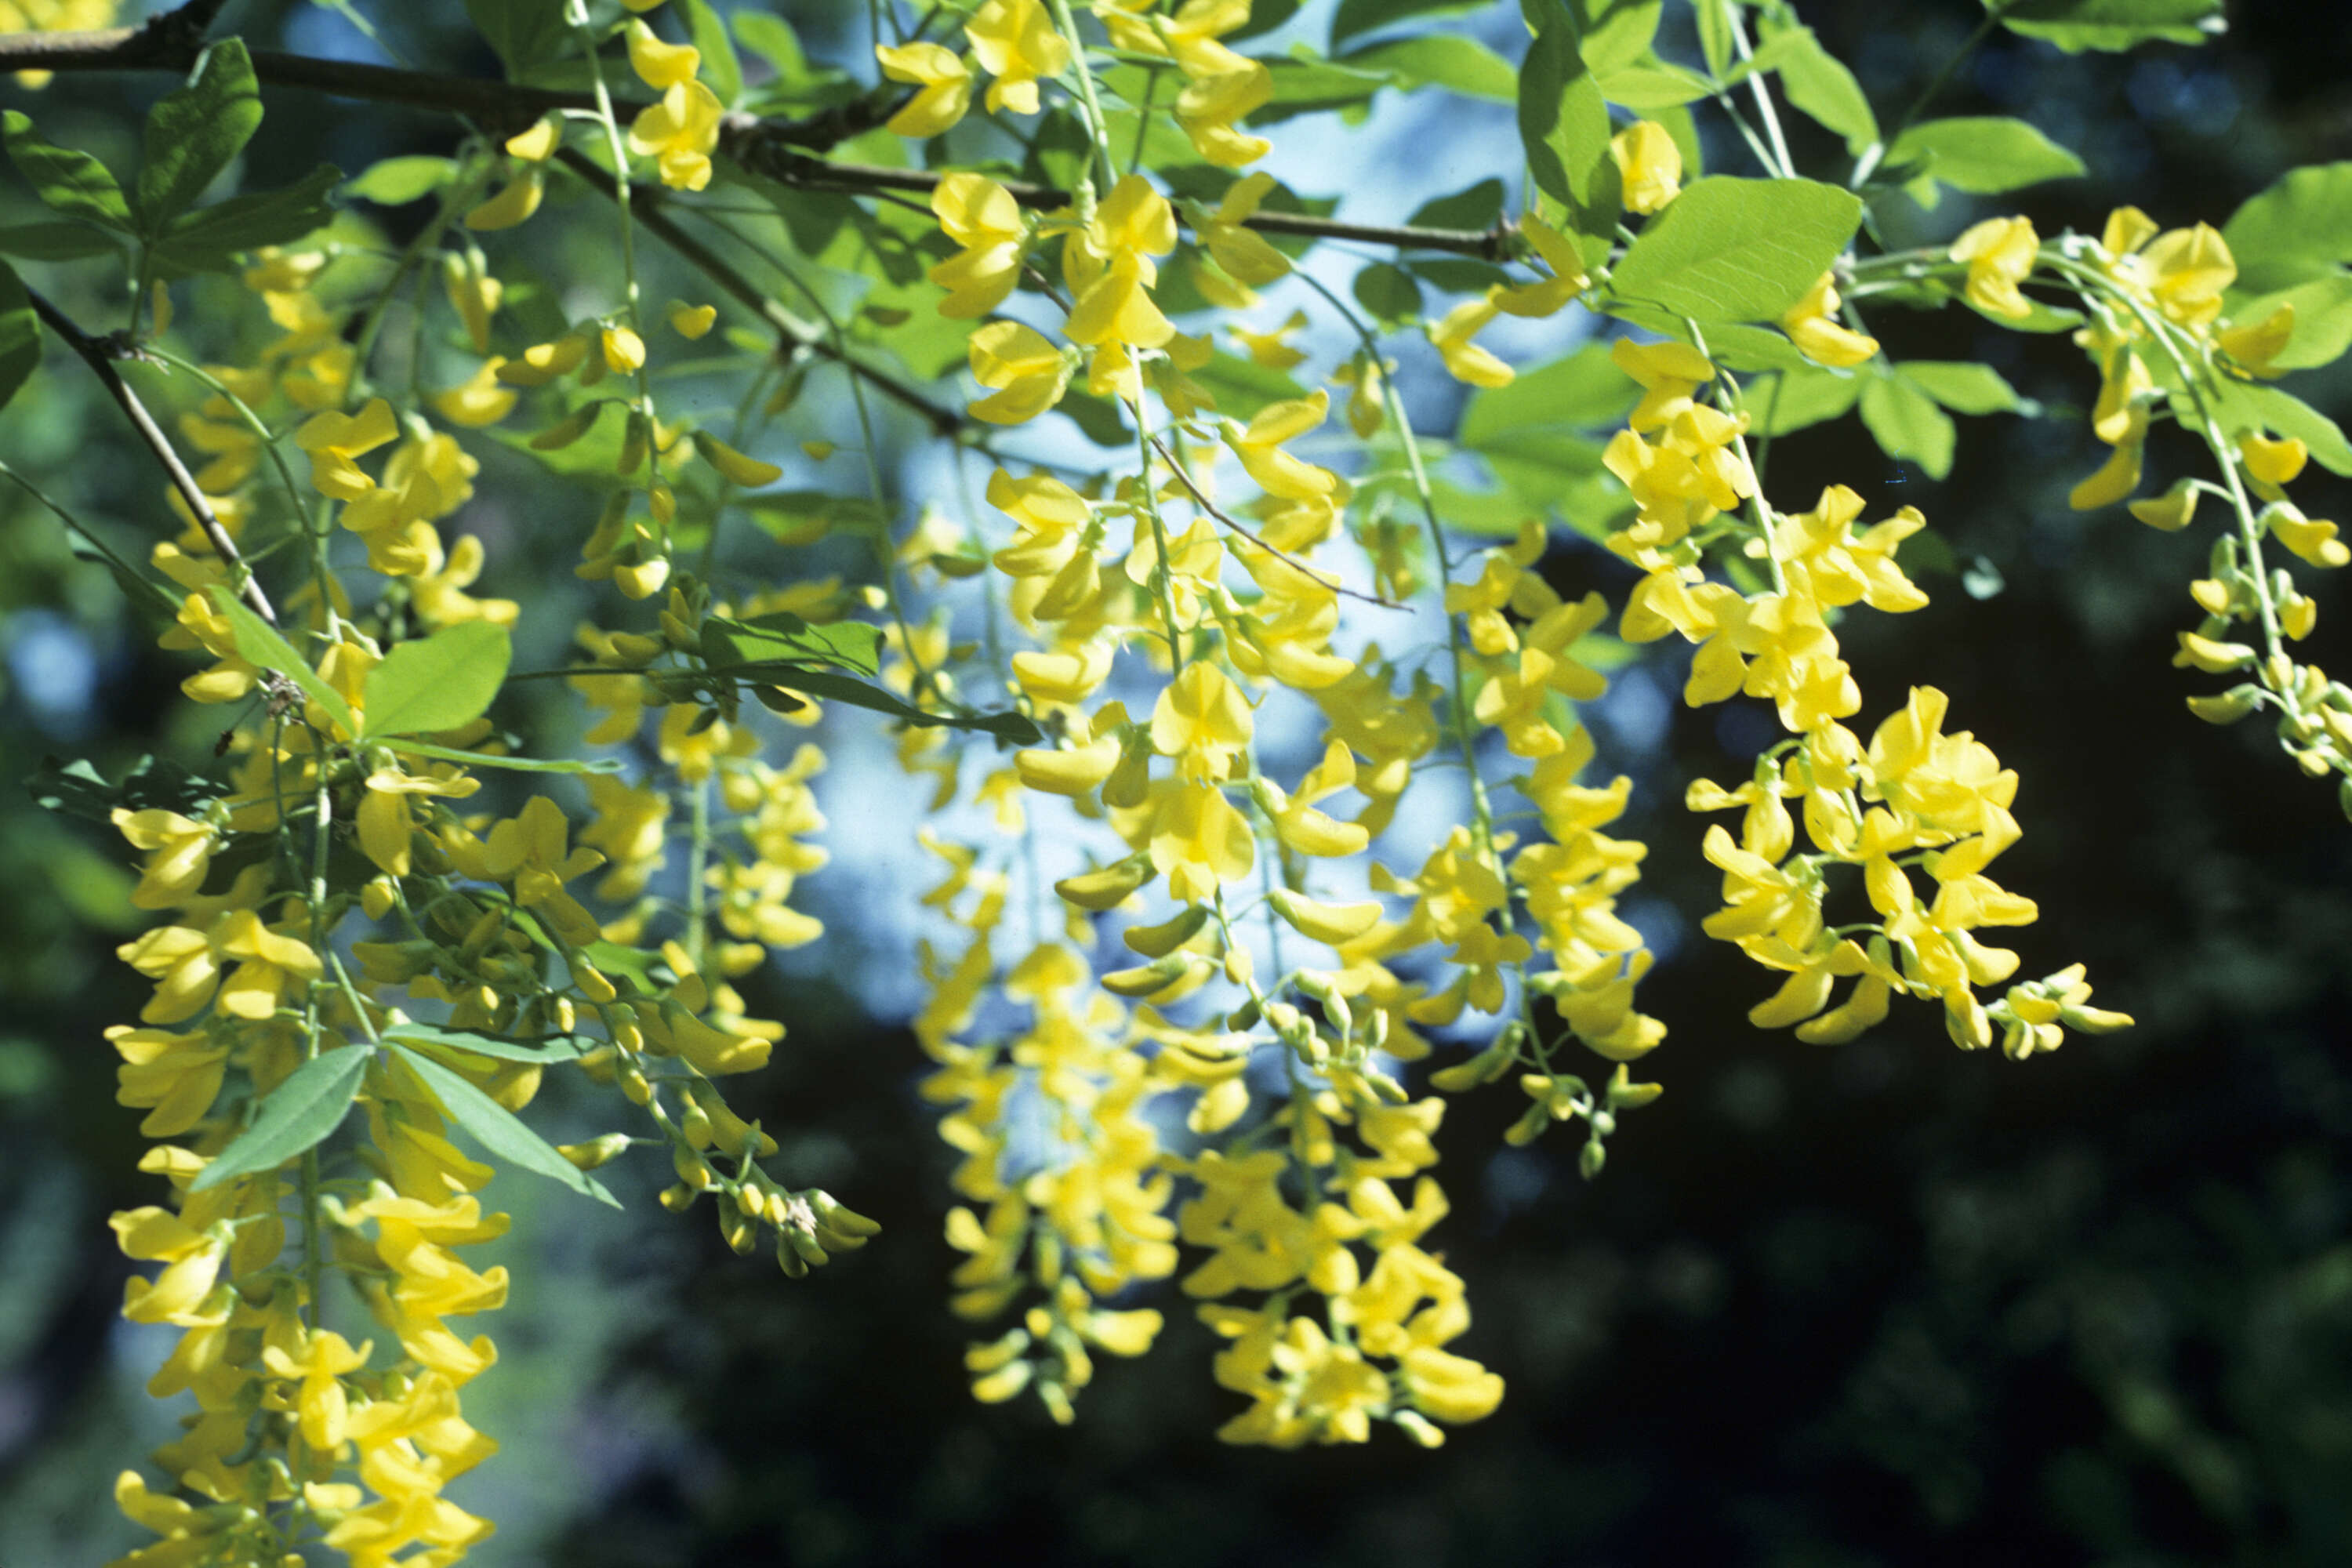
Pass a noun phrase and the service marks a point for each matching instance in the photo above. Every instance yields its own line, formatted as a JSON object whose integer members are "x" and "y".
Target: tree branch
{"x": 778, "y": 149}
{"x": 100, "y": 354}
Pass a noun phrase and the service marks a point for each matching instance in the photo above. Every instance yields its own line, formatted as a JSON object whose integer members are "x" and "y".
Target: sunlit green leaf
{"x": 1983, "y": 153}
{"x": 439, "y": 682}
{"x": 1738, "y": 250}
{"x": 259, "y": 644}
{"x": 1906, "y": 423}
{"x": 503, "y": 1135}
{"x": 2113, "y": 25}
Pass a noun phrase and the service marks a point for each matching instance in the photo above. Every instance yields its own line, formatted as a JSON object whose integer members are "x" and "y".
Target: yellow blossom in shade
{"x": 1999, "y": 253}
{"x": 690, "y": 321}
{"x": 2254, "y": 344}
{"x": 1203, "y": 721}
{"x": 679, "y": 133}
{"x": 320, "y": 1360}
{"x": 528, "y": 851}
{"x": 1464, "y": 360}
{"x": 175, "y": 1078}
{"x": 2119, "y": 475}
{"x": 1198, "y": 840}
{"x": 517, "y": 200}
{"x": 539, "y": 143}
{"x": 1016, "y": 42}
{"x": 1649, "y": 165}
{"x": 180, "y": 853}
{"x": 1272, "y": 349}
{"x": 1812, "y": 325}
{"x": 1026, "y": 373}
{"x": 1243, "y": 252}
{"x": 474, "y": 294}
{"x": 478, "y": 401}
{"x": 658, "y": 65}
{"x": 333, "y": 439}
{"x": 440, "y": 598}
{"x": 982, "y": 217}
{"x": 943, "y": 82}
{"x": 1209, "y": 106}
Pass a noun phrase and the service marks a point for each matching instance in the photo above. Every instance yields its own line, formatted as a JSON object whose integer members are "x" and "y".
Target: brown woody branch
{"x": 100, "y": 354}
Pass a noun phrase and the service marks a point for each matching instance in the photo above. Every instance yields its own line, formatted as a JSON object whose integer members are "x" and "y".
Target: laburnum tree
{"x": 1243, "y": 728}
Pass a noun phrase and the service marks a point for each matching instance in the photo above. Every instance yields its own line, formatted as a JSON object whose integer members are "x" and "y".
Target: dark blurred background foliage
{"x": 1884, "y": 1304}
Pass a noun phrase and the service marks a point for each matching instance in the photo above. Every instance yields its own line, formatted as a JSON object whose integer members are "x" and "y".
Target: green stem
{"x": 1481, "y": 808}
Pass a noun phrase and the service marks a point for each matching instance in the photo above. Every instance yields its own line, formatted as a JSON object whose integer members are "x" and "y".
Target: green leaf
{"x": 772, "y": 39}
{"x": 523, "y": 32}
{"x": 441, "y": 682}
{"x": 1738, "y": 250}
{"x": 20, "y": 335}
{"x": 2298, "y": 229}
{"x": 1618, "y": 34}
{"x": 1016, "y": 728}
{"x": 1983, "y": 153}
{"x": 2323, "y": 319}
{"x": 1243, "y": 386}
{"x": 1389, "y": 292}
{"x": 803, "y": 517}
{"x": 1307, "y": 84}
{"x": 1097, "y": 418}
{"x": 2111, "y": 24}
{"x": 513, "y": 764}
{"x": 203, "y": 240}
{"x": 721, "y": 69}
{"x": 784, "y": 637}
{"x": 1356, "y": 17}
{"x": 1819, "y": 84}
{"x": 1564, "y": 126}
{"x": 1714, "y": 19}
{"x": 55, "y": 241}
{"x": 258, "y": 644}
{"x": 502, "y": 1135}
{"x": 1906, "y": 423}
{"x": 195, "y": 133}
{"x": 1729, "y": 344}
{"x": 78, "y": 789}
{"x": 1449, "y": 60}
{"x": 549, "y": 1049}
{"x": 1964, "y": 386}
{"x": 67, "y": 182}
{"x": 396, "y": 181}
{"x": 1658, "y": 85}
{"x": 1583, "y": 391}
{"x": 1478, "y": 207}
{"x": 298, "y": 1115}
{"x": 1789, "y": 400}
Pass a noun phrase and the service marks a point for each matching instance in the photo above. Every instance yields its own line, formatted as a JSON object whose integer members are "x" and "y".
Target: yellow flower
{"x": 1209, "y": 105}
{"x": 1015, "y": 41}
{"x": 181, "y": 853}
{"x": 333, "y": 439}
{"x": 1243, "y": 252}
{"x": 679, "y": 133}
{"x": 1026, "y": 373}
{"x": 1999, "y": 252}
{"x": 658, "y": 65}
{"x": 1272, "y": 349}
{"x": 1109, "y": 268}
{"x": 515, "y": 201}
{"x": 1812, "y": 324}
{"x": 1199, "y": 840}
{"x": 945, "y": 84}
{"x": 982, "y": 217}
{"x": 1649, "y": 164}
{"x": 1464, "y": 360}
{"x": 1259, "y": 448}
{"x": 1203, "y": 721}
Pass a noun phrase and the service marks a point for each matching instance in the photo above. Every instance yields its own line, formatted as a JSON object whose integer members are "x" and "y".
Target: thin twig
{"x": 1201, "y": 499}
{"x": 719, "y": 272}
{"x": 100, "y": 355}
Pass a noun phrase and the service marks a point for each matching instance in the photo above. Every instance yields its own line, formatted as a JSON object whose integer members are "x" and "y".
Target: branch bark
{"x": 100, "y": 354}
